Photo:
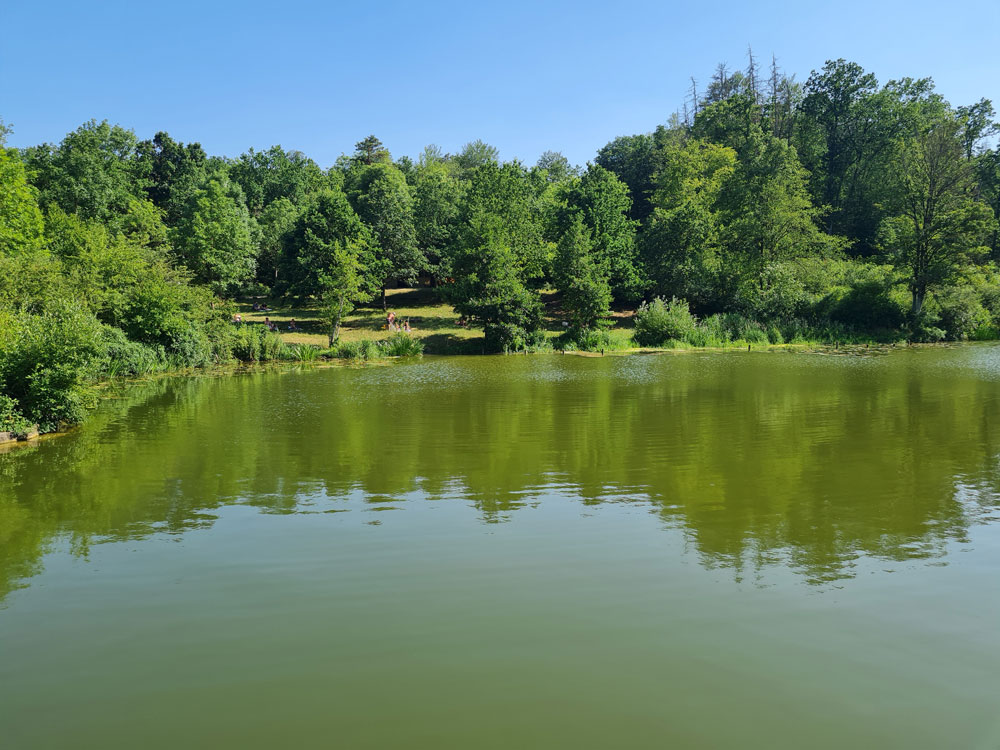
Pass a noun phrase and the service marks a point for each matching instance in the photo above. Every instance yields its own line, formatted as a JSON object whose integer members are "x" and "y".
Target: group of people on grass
{"x": 393, "y": 324}
{"x": 268, "y": 323}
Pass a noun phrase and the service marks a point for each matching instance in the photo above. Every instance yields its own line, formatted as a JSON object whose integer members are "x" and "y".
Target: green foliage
{"x": 382, "y": 200}
{"x": 585, "y": 289}
{"x": 124, "y": 357}
{"x": 91, "y": 173}
{"x": 301, "y": 353}
{"x": 215, "y": 238}
{"x": 739, "y": 215}
{"x": 257, "y": 344}
{"x": 489, "y": 289}
{"x": 959, "y": 312}
{"x": 865, "y": 301}
{"x": 21, "y": 224}
{"x": 170, "y": 172}
{"x": 631, "y": 159}
{"x": 273, "y": 175}
{"x": 680, "y": 244}
{"x": 603, "y": 201}
{"x": 363, "y": 350}
{"x": 46, "y": 360}
{"x": 330, "y": 253}
{"x": 437, "y": 197}
{"x": 658, "y": 322}
{"x": 596, "y": 340}
{"x": 401, "y": 344}
{"x": 939, "y": 224}
{"x": 11, "y": 419}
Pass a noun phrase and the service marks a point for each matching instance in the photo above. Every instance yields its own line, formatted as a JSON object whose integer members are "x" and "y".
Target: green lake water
{"x": 704, "y": 550}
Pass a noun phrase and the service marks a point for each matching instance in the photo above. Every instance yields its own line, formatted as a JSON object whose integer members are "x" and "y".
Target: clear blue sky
{"x": 524, "y": 76}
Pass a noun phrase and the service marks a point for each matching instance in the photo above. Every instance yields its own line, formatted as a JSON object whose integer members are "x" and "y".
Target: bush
{"x": 401, "y": 344}
{"x": 364, "y": 349}
{"x": 960, "y": 312}
{"x": 11, "y": 419}
{"x": 866, "y": 302}
{"x": 301, "y": 353}
{"x": 128, "y": 358}
{"x": 595, "y": 340}
{"x": 658, "y": 322}
{"x": 47, "y": 361}
{"x": 257, "y": 344}
{"x": 780, "y": 293}
{"x": 190, "y": 346}
{"x": 924, "y": 327}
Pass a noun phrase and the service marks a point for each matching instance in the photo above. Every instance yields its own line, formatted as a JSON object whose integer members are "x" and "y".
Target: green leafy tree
{"x": 343, "y": 283}
{"x": 215, "y": 237}
{"x": 437, "y": 201}
{"x": 488, "y": 289}
{"x": 276, "y": 222}
{"x": 92, "y": 172}
{"x": 766, "y": 216}
{"x": 847, "y": 136}
{"x": 586, "y": 292}
{"x": 937, "y": 225}
{"x": 507, "y": 193}
{"x": 331, "y": 254}
{"x": 988, "y": 173}
{"x": 370, "y": 150}
{"x": 266, "y": 176}
{"x": 557, "y": 167}
{"x": 604, "y": 203}
{"x": 474, "y": 155}
{"x": 382, "y": 199}
{"x": 631, "y": 158}
{"x": 680, "y": 244}
{"x": 21, "y": 224}
{"x": 171, "y": 172}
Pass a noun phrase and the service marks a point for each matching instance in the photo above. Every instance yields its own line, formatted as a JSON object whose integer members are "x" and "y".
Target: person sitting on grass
{"x": 292, "y": 326}
{"x": 406, "y": 326}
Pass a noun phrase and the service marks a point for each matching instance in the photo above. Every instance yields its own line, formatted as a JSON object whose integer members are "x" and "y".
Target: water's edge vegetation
{"x": 838, "y": 211}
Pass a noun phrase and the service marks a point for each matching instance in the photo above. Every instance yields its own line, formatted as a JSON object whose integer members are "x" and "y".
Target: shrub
{"x": 657, "y": 322}
{"x": 11, "y": 419}
{"x": 867, "y": 302}
{"x": 365, "y": 349}
{"x": 302, "y": 353}
{"x": 924, "y": 327}
{"x": 47, "y": 361}
{"x": 960, "y": 312}
{"x": 257, "y": 344}
{"x": 402, "y": 344}
{"x": 595, "y": 340}
{"x": 190, "y": 346}
{"x": 124, "y": 358}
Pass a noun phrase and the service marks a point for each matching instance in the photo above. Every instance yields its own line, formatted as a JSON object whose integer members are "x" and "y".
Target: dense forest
{"x": 767, "y": 210}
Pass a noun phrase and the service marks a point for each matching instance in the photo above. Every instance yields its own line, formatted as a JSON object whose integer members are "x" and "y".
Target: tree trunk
{"x": 384, "y": 307}
{"x": 335, "y": 323}
{"x": 919, "y": 294}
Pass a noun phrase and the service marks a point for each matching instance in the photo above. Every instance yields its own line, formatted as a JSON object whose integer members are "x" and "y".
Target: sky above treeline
{"x": 523, "y": 76}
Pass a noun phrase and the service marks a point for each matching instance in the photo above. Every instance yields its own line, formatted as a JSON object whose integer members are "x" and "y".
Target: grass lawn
{"x": 433, "y": 321}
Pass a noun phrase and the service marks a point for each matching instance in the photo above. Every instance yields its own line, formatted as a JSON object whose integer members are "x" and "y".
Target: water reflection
{"x": 802, "y": 461}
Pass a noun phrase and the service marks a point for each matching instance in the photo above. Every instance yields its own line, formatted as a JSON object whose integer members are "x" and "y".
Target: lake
{"x": 699, "y": 550}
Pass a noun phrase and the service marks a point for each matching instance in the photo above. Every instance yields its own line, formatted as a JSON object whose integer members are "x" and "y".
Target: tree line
{"x": 835, "y": 207}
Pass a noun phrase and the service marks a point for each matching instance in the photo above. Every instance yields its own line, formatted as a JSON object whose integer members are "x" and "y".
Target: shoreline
{"x": 9, "y": 443}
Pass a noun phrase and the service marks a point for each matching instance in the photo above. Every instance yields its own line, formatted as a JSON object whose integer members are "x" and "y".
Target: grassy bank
{"x": 435, "y": 325}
